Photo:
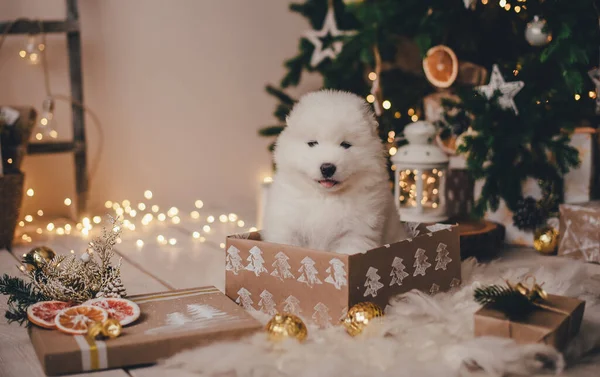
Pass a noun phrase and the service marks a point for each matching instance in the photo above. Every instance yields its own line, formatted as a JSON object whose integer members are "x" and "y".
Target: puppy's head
{"x": 330, "y": 141}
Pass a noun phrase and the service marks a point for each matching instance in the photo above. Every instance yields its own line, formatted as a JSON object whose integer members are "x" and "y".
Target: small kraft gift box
{"x": 320, "y": 286}
{"x": 580, "y": 231}
{"x": 170, "y": 322}
{"x": 554, "y": 323}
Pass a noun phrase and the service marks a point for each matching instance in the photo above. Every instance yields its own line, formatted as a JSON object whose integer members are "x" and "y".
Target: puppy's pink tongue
{"x": 327, "y": 183}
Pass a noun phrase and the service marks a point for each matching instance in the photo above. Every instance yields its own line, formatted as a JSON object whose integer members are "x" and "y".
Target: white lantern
{"x": 420, "y": 175}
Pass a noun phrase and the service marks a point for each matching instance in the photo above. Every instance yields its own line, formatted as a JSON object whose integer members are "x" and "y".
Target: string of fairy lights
{"x": 142, "y": 214}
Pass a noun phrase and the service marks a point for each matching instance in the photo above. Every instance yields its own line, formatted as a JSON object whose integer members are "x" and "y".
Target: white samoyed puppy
{"x": 331, "y": 189}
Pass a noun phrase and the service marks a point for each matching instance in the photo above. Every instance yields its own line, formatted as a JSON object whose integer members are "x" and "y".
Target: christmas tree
{"x": 372, "y": 283}
{"x": 442, "y": 257}
{"x": 521, "y": 77}
{"x": 421, "y": 265}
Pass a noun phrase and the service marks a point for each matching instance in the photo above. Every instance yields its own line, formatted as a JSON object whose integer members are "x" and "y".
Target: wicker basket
{"x": 11, "y": 195}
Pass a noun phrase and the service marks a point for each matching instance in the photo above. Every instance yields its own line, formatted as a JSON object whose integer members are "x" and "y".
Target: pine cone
{"x": 114, "y": 289}
{"x": 528, "y": 215}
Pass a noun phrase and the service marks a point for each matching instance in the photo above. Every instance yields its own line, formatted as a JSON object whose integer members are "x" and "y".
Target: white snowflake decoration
{"x": 372, "y": 283}
{"x": 421, "y": 264}
{"x": 329, "y": 28}
{"x": 309, "y": 273}
{"x": 282, "y": 267}
{"x": 442, "y": 257}
{"x": 398, "y": 274}
{"x": 256, "y": 261}
{"x": 337, "y": 273}
{"x": 508, "y": 89}
{"x": 233, "y": 261}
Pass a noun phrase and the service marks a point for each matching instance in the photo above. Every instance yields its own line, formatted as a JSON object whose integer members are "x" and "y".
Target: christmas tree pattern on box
{"x": 320, "y": 286}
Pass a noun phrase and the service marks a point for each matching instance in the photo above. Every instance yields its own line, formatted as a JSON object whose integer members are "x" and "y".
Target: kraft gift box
{"x": 170, "y": 322}
{"x": 554, "y": 324}
{"x": 580, "y": 231}
{"x": 320, "y": 286}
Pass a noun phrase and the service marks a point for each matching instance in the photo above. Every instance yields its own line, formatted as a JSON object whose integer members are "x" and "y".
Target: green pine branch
{"x": 504, "y": 299}
{"x": 21, "y": 295}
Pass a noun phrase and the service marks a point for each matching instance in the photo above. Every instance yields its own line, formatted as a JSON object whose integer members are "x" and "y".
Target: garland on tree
{"x": 507, "y": 148}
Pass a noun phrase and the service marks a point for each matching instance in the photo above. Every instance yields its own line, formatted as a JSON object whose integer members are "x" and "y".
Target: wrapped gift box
{"x": 554, "y": 324}
{"x": 580, "y": 231}
{"x": 170, "y": 322}
{"x": 320, "y": 286}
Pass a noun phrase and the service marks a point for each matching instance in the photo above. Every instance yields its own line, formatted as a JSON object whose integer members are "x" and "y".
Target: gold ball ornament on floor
{"x": 284, "y": 325}
{"x": 40, "y": 256}
{"x": 360, "y": 316}
{"x": 545, "y": 240}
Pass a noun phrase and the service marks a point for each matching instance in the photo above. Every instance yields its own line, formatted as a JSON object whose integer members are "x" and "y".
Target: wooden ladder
{"x": 77, "y": 146}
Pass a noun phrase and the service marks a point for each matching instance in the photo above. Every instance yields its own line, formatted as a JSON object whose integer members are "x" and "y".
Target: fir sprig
{"x": 20, "y": 295}
{"x": 505, "y": 299}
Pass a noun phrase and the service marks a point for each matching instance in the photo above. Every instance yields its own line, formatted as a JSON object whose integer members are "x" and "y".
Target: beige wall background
{"x": 178, "y": 87}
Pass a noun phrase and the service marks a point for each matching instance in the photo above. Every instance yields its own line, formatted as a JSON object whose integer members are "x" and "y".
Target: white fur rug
{"x": 420, "y": 336}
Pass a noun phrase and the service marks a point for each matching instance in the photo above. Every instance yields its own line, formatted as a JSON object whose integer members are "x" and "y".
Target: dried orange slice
{"x": 42, "y": 313}
{"x": 121, "y": 309}
{"x": 441, "y": 66}
{"x": 76, "y": 320}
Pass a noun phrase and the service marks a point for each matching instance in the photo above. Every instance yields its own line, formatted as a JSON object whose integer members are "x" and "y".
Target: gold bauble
{"x": 545, "y": 240}
{"x": 40, "y": 255}
{"x": 283, "y": 326}
{"x": 112, "y": 328}
{"x": 359, "y": 316}
{"x": 95, "y": 330}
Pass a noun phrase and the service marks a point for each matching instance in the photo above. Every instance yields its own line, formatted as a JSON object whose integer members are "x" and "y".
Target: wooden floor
{"x": 190, "y": 262}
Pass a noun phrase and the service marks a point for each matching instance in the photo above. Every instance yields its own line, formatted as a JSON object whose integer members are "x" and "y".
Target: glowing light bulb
{"x": 60, "y": 231}
{"x": 139, "y": 243}
{"x": 253, "y": 229}
{"x": 68, "y": 227}
{"x": 39, "y": 230}
{"x": 206, "y": 228}
{"x": 67, "y": 201}
{"x": 21, "y": 223}
{"x": 97, "y": 219}
{"x": 222, "y": 245}
{"x": 370, "y": 98}
{"x": 30, "y": 192}
{"x": 148, "y": 194}
{"x": 141, "y": 206}
{"x": 172, "y": 211}
{"x": 199, "y": 203}
{"x": 386, "y": 104}
{"x": 172, "y": 241}
{"x": 176, "y": 220}
{"x": 195, "y": 215}
{"x": 268, "y": 180}
{"x": 108, "y": 204}
{"x": 210, "y": 219}
{"x": 155, "y": 208}
{"x": 202, "y": 239}
{"x": 50, "y": 227}
{"x": 372, "y": 76}
{"x": 414, "y": 118}
{"x": 393, "y": 151}
{"x": 241, "y": 223}
{"x": 397, "y": 115}
{"x": 161, "y": 217}
{"x": 133, "y": 213}
{"x": 33, "y": 49}
{"x": 223, "y": 218}
{"x": 29, "y": 218}
{"x": 232, "y": 217}
{"x": 45, "y": 126}
{"x": 577, "y": 97}
{"x": 196, "y": 235}
{"x": 160, "y": 238}
{"x": 411, "y": 112}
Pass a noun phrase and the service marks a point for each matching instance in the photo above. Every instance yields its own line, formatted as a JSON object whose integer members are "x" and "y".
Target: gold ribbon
{"x": 94, "y": 358}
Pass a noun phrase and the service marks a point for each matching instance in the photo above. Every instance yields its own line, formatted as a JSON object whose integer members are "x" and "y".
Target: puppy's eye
{"x": 312, "y": 143}
{"x": 345, "y": 145}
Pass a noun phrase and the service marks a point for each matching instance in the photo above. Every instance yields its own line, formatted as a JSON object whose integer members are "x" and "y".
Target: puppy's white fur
{"x": 357, "y": 213}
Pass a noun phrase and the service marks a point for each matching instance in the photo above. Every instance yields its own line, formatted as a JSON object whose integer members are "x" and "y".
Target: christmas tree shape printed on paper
{"x": 292, "y": 305}
{"x": 442, "y": 257}
{"x": 398, "y": 274}
{"x": 282, "y": 267}
{"x": 344, "y": 313}
{"x": 412, "y": 229}
{"x": 266, "y": 303}
{"x": 434, "y": 289}
{"x": 421, "y": 263}
{"x": 244, "y": 299}
{"x": 233, "y": 261}
{"x": 436, "y": 227}
{"x": 455, "y": 283}
{"x": 309, "y": 273}
{"x": 372, "y": 283}
{"x": 197, "y": 316}
{"x": 321, "y": 315}
{"x": 256, "y": 261}
{"x": 337, "y": 273}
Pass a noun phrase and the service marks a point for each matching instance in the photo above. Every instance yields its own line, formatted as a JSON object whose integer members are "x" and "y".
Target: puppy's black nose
{"x": 328, "y": 170}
